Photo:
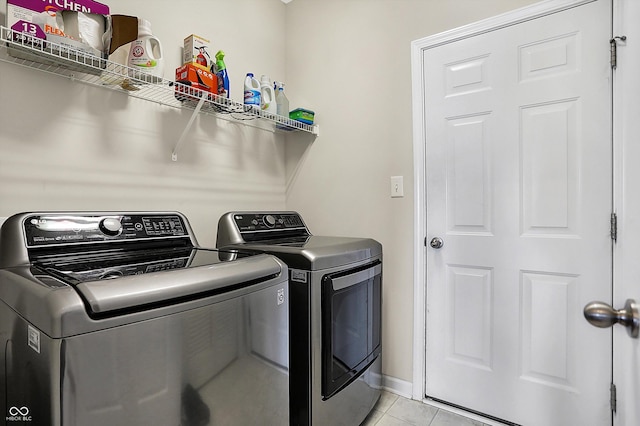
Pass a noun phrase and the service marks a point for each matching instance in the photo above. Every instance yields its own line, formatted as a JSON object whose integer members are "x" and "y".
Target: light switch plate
{"x": 397, "y": 186}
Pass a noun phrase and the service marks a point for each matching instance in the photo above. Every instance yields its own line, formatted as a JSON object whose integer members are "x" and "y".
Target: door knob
{"x": 436, "y": 243}
{"x": 602, "y": 315}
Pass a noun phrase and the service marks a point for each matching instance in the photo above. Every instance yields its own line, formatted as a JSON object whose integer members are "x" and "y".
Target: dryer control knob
{"x": 269, "y": 220}
{"x": 110, "y": 226}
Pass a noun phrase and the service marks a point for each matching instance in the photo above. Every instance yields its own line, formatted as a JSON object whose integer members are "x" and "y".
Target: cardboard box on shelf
{"x": 191, "y": 77}
{"x": 196, "y": 52}
{"x": 124, "y": 30}
{"x": 78, "y": 25}
{"x": 302, "y": 115}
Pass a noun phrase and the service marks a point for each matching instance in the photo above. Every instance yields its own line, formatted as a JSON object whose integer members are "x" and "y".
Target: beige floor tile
{"x": 394, "y": 410}
{"x": 373, "y": 418}
{"x": 413, "y": 412}
{"x": 445, "y": 418}
{"x": 386, "y": 401}
{"x": 388, "y": 420}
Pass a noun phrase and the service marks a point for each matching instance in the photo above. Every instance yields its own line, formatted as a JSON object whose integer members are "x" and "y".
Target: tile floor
{"x": 394, "y": 410}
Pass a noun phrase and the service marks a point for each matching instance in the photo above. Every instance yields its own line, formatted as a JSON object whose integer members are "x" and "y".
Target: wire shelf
{"x": 32, "y": 52}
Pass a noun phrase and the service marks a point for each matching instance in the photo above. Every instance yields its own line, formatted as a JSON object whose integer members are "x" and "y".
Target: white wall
{"x": 349, "y": 60}
{"x": 65, "y": 145}
{"x": 71, "y": 146}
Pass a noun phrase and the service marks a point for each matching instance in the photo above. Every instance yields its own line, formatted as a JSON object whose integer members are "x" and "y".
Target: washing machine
{"x": 335, "y": 306}
{"x": 111, "y": 318}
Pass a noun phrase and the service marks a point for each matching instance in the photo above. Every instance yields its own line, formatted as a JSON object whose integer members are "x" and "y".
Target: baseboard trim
{"x": 397, "y": 386}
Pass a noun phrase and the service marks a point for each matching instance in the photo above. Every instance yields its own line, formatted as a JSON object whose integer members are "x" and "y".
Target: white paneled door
{"x": 519, "y": 199}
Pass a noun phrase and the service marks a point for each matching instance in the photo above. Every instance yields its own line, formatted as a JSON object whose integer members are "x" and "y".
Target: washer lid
{"x": 61, "y": 310}
{"x": 198, "y": 279}
{"x": 69, "y": 273}
{"x": 74, "y": 269}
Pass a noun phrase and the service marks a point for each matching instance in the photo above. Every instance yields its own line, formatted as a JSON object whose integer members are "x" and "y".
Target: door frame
{"x": 418, "y": 47}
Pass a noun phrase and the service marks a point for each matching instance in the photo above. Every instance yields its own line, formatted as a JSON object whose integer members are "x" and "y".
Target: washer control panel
{"x": 63, "y": 229}
{"x": 253, "y": 222}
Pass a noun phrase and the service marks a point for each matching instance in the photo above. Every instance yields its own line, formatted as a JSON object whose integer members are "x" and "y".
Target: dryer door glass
{"x": 351, "y": 321}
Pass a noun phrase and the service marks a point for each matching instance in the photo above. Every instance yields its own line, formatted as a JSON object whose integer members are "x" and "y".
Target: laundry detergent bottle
{"x": 251, "y": 91}
{"x": 267, "y": 95}
{"x": 145, "y": 56}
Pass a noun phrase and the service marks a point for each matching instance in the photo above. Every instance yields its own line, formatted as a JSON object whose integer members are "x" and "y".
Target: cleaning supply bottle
{"x": 221, "y": 73}
{"x": 146, "y": 55}
{"x": 282, "y": 103}
{"x": 267, "y": 96}
{"x": 251, "y": 91}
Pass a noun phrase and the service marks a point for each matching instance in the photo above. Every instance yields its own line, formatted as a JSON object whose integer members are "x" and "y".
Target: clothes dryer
{"x": 335, "y": 296}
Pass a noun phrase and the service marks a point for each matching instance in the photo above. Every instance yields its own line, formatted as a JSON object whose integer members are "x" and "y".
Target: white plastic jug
{"x": 145, "y": 55}
{"x": 252, "y": 91}
{"x": 268, "y": 98}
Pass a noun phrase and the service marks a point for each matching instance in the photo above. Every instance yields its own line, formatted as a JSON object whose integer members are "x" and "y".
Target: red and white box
{"x": 191, "y": 80}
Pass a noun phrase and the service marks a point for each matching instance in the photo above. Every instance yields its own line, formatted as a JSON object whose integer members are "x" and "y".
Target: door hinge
{"x": 614, "y": 49}
{"x": 614, "y": 227}
{"x": 613, "y": 401}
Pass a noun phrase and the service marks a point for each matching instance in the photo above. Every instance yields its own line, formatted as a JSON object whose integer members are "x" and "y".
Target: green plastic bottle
{"x": 221, "y": 73}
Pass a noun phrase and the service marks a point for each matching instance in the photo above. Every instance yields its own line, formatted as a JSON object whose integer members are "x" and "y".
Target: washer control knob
{"x": 110, "y": 226}
{"x": 269, "y": 220}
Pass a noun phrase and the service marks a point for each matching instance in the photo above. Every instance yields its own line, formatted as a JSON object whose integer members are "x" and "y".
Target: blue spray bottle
{"x": 221, "y": 73}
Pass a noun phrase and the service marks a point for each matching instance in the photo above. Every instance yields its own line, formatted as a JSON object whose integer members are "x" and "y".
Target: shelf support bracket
{"x": 196, "y": 111}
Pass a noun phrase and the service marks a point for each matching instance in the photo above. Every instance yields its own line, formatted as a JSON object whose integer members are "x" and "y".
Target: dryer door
{"x": 351, "y": 320}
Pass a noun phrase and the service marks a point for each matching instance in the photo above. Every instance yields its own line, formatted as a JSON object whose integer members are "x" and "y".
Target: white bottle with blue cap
{"x": 252, "y": 91}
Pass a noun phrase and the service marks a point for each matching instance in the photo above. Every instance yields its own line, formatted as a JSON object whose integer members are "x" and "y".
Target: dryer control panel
{"x": 243, "y": 227}
{"x": 252, "y": 222}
